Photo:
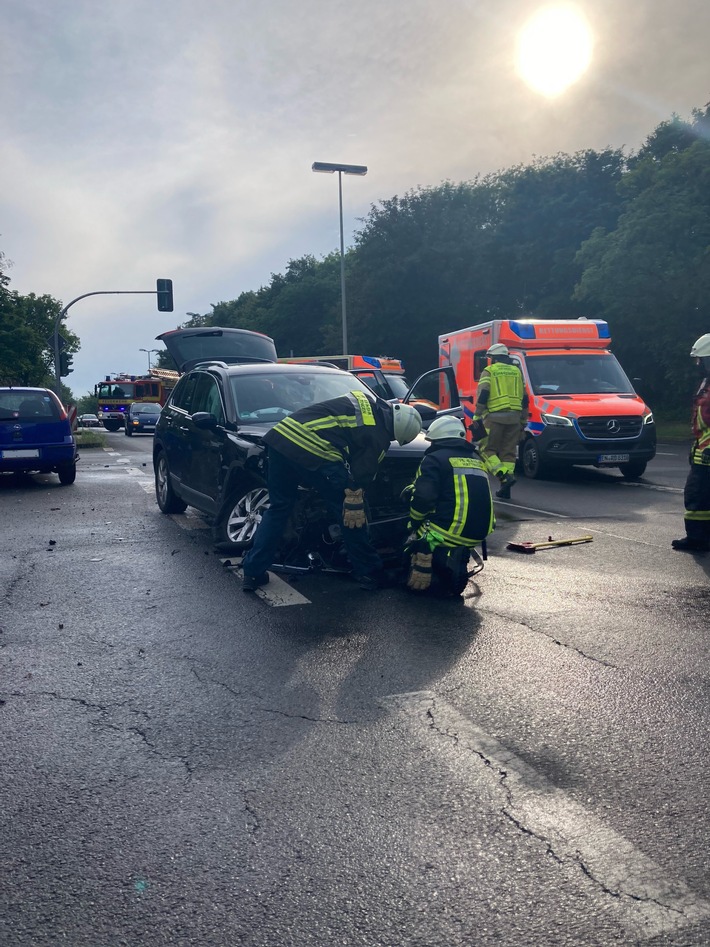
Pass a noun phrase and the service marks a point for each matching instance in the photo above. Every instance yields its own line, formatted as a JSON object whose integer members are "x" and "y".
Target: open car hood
{"x": 189, "y": 347}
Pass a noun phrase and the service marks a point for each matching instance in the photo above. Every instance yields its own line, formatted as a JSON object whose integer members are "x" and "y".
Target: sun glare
{"x": 554, "y": 50}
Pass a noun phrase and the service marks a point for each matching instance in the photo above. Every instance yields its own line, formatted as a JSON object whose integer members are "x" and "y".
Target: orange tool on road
{"x": 533, "y": 547}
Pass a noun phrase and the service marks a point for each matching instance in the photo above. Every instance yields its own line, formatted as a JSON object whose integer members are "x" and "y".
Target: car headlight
{"x": 648, "y": 419}
{"x": 556, "y": 420}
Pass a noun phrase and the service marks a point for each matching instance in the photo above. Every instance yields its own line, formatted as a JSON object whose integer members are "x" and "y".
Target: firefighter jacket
{"x": 501, "y": 388}
{"x": 700, "y": 451}
{"x": 355, "y": 429}
{"x": 451, "y": 494}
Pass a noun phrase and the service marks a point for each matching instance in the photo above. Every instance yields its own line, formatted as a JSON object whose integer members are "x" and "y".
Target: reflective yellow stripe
{"x": 332, "y": 420}
{"x": 466, "y": 462}
{"x": 700, "y": 515}
{"x": 295, "y": 432}
{"x": 368, "y": 418}
{"x": 461, "y": 507}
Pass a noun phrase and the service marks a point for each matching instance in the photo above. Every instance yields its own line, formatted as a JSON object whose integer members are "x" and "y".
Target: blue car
{"x": 36, "y": 434}
{"x": 141, "y": 418}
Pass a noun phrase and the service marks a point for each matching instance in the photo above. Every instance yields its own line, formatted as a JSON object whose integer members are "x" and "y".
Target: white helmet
{"x": 497, "y": 349}
{"x": 701, "y": 347}
{"x": 446, "y": 429}
{"x": 407, "y": 422}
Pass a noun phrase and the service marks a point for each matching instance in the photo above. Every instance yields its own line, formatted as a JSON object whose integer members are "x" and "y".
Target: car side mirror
{"x": 204, "y": 420}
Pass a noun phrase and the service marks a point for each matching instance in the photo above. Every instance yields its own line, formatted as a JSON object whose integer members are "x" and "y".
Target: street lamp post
{"x": 329, "y": 168}
{"x": 149, "y": 352}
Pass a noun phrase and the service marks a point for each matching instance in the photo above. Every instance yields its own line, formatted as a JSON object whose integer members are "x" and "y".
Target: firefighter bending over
{"x": 697, "y": 487}
{"x": 334, "y": 447}
{"x": 451, "y": 509}
{"x": 502, "y": 404}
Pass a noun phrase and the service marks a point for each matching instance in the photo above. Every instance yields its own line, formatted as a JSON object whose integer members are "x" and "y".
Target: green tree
{"x": 650, "y": 277}
{"x": 26, "y": 335}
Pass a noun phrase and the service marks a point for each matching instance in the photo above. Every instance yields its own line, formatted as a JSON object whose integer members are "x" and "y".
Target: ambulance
{"x": 583, "y": 408}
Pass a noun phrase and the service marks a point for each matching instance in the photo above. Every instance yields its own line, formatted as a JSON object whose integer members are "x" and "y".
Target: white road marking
{"x": 276, "y": 593}
{"x": 649, "y": 902}
{"x": 652, "y": 486}
{"x": 532, "y": 509}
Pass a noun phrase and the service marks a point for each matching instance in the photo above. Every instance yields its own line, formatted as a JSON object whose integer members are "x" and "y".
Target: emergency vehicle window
{"x": 480, "y": 361}
{"x": 577, "y": 374}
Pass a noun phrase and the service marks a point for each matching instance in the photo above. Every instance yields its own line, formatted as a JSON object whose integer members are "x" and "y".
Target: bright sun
{"x": 554, "y": 49}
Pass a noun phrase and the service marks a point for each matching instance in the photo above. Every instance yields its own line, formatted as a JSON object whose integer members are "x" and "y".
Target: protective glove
{"x": 420, "y": 572}
{"x": 354, "y": 509}
{"x": 406, "y": 494}
{"x": 478, "y": 430}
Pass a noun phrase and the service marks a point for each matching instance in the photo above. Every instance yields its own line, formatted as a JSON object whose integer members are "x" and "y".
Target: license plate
{"x": 19, "y": 453}
{"x": 613, "y": 459}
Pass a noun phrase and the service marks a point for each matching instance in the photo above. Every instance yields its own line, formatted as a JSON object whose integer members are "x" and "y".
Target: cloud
{"x": 176, "y": 138}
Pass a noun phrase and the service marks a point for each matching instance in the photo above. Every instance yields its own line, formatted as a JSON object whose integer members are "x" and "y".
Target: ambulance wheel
{"x": 531, "y": 461}
{"x": 633, "y": 470}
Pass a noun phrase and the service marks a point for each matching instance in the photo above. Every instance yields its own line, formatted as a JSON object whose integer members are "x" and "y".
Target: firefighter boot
{"x": 506, "y": 482}
{"x": 688, "y": 544}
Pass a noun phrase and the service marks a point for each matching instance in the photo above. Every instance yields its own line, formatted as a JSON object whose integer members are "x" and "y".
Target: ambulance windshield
{"x": 585, "y": 374}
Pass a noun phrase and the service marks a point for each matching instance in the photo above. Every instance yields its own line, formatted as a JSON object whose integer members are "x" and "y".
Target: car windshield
{"x": 19, "y": 405}
{"x": 145, "y": 409}
{"x": 272, "y": 395}
{"x": 577, "y": 375}
{"x": 118, "y": 390}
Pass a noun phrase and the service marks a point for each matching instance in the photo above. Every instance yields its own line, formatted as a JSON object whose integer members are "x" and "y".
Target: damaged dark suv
{"x": 208, "y": 451}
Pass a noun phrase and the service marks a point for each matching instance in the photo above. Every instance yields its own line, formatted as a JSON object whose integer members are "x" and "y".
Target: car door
{"x": 435, "y": 393}
{"x": 173, "y": 433}
{"x": 202, "y": 478}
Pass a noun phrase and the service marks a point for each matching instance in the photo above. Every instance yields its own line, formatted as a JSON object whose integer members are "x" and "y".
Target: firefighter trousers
{"x": 697, "y": 503}
{"x": 500, "y": 447}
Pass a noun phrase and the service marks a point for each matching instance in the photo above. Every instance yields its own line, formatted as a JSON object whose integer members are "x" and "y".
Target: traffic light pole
{"x": 102, "y": 292}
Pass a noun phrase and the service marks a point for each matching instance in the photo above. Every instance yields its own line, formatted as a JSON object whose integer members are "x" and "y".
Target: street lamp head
{"x": 329, "y": 168}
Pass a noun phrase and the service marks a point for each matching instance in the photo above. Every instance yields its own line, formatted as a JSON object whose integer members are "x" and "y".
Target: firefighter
{"x": 502, "y": 405}
{"x": 335, "y": 447}
{"x": 697, "y": 487}
{"x": 451, "y": 509}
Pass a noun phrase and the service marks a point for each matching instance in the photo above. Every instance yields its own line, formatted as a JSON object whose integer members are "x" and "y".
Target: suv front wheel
{"x": 242, "y": 515}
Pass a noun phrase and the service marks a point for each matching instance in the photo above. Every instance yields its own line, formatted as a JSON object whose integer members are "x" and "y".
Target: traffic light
{"x": 165, "y": 295}
{"x": 65, "y": 361}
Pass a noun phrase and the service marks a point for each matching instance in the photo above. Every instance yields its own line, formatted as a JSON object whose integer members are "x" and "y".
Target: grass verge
{"x": 85, "y": 437}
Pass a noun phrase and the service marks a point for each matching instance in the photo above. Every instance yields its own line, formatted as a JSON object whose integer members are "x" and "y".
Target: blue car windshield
{"x": 270, "y": 396}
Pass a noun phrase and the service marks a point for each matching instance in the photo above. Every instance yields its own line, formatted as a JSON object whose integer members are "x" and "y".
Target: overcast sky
{"x": 174, "y": 138}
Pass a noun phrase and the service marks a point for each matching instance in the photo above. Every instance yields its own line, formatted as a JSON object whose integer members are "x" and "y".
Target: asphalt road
{"x": 185, "y": 764}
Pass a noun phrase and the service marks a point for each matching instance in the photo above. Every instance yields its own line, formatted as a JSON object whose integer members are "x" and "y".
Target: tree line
{"x": 600, "y": 234}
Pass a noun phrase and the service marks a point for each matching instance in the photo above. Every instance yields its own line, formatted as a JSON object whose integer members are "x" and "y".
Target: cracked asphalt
{"x": 181, "y": 764}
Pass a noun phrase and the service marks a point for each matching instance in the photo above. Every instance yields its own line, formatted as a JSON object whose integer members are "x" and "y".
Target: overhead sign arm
{"x": 164, "y": 292}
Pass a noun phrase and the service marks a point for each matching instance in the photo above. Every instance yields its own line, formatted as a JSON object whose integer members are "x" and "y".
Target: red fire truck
{"x": 115, "y": 394}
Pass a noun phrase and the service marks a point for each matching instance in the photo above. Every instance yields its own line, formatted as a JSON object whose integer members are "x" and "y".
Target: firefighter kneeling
{"x": 451, "y": 510}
